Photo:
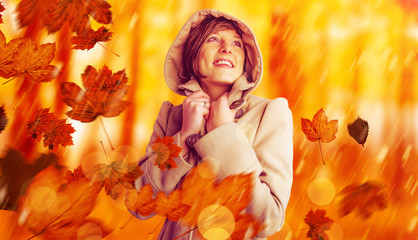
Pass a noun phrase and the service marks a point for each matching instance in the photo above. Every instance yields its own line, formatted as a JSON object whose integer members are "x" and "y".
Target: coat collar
{"x": 239, "y": 89}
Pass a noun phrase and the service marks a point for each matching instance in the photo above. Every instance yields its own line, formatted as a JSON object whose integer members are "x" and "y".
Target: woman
{"x": 215, "y": 61}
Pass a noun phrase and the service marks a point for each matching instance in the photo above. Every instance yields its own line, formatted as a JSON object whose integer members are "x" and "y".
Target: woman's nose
{"x": 224, "y": 48}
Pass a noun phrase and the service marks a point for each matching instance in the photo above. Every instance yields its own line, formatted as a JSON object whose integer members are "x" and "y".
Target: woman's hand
{"x": 195, "y": 111}
{"x": 220, "y": 113}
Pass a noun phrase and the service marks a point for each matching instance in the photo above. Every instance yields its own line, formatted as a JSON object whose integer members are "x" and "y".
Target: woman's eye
{"x": 237, "y": 43}
{"x": 212, "y": 39}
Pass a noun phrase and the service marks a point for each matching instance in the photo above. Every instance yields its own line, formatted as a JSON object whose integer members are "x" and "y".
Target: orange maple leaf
{"x": 140, "y": 201}
{"x": 53, "y": 130}
{"x": 103, "y": 94}
{"x": 166, "y": 151}
{"x": 364, "y": 199}
{"x": 320, "y": 129}
{"x": 7, "y": 52}
{"x": 1, "y": 10}
{"x": 90, "y": 38}
{"x": 201, "y": 191}
{"x": 22, "y": 58}
{"x": 115, "y": 176}
{"x": 171, "y": 207}
{"x": 318, "y": 223}
{"x": 54, "y": 209}
{"x": 54, "y": 13}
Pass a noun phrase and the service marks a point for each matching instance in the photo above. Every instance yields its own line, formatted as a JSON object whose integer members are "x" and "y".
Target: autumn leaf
{"x": 103, "y": 94}
{"x": 166, "y": 151}
{"x": 54, "y": 209}
{"x": 3, "y": 119}
{"x": 32, "y": 62}
{"x": 141, "y": 201}
{"x": 53, "y": 130}
{"x": 54, "y": 13}
{"x": 89, "y": 39}
{"x": 201, "y": 190}
{"x": 318, "y": 223}
{"x": 22, "y": 58}
{"x": 171, "y": 207}
{"x": 72, "y": 176}
{"x": 7, "y": 52}
{"x": 1, "y": 10}
{"x": 115, "y": 176}
{"x": 17, "y": 174}
{"x": 320, "y": 129}
{"x": 359, "y": 130}
{"x": 364, "y": 199}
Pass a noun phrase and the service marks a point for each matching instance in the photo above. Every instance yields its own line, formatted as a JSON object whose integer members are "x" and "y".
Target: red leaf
{"x": 53, "y": 130}
{"x": 54, "y": 13}
{"x": 74, "y": 176}
{"x": 140, "y": 201}
{"x": 318, "y": 223}
{"x": 103, "y": 94}
{"x": 1, "y": 10}
{"x": 364, "y": 199}
{"x": 166, "y": 151}
{"x": 89, "y": 39}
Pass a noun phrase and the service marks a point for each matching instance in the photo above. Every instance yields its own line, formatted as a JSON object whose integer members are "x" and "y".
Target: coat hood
{"x": 173, "y": 62}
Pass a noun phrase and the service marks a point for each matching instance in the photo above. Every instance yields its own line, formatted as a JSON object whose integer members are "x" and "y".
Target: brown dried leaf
{"x": 359, "y": 130}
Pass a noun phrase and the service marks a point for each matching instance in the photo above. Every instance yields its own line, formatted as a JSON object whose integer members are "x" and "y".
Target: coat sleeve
{"x": 270, "y": 158}
{"x": 161, "y": 181}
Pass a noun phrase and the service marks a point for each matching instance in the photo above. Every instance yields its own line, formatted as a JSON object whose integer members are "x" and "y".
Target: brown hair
{"x": 195, "y": 40}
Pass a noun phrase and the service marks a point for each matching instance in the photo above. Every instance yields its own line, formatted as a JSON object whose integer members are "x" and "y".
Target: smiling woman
{"x": 215, "y": 61}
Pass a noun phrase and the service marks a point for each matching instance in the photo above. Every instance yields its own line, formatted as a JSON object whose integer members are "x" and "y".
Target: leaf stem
{"x": 185, "y": 233}
{"x": 9, "y": 80}
{"x": 107, "y": 135}
{"x": 320, "y": 149}
{"x": 117, "y": 55}
{"x": 108, "y": 160}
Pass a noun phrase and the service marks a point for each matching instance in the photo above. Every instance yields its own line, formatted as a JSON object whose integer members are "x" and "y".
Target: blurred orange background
{"x": 350, "y": 57}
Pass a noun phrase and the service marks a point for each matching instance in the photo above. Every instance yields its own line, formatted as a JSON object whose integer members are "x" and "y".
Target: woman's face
{"x": 221, "y": 58}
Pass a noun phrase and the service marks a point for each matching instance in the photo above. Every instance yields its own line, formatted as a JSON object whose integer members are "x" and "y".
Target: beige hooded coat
{"x": 260, "y": 141}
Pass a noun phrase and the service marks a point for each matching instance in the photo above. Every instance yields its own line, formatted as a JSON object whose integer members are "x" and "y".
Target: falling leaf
{"x": 1, "y": 10}
{"x": 318, "y": 223}
{"x": 7, "y": 53}
{"x": 359, "y": 130}
{"x": 54, "y": 209}
{"x": 22, "y": 58}
{"x": 89, "y": 39}
{"x": 76, "y": 175}
{"x": 3, "y": 119}
{"x": 17, "y": 174}
{"x": 233, "y": 192}
{"x": 103, "y": 94}
{"x": 320, "y": 129}
{"x": 365, "y": 199}
{"x": 171, "y": 207}
{"x": 166, "y": 151}
{"x": 54, "y": 131}
{"x": 115, "y": 176}
{"x": 54, "y": 13}
{"x": 141, "y": 201}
